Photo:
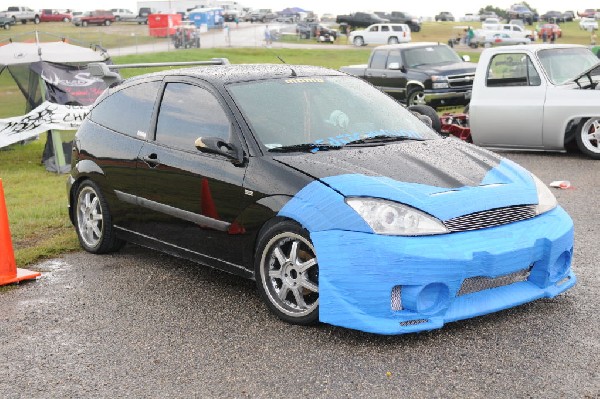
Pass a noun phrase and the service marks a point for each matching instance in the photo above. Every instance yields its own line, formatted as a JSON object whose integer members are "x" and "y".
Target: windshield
{"x": 329, "y": 110}
{"x": 430, "y": 55}
{"x": 562, "y": 65}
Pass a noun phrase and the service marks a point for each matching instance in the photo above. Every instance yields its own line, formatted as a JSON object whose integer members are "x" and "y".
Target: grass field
{"x": 36, "y": 199}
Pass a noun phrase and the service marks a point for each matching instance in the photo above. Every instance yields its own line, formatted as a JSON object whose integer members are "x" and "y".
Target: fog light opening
{"x": 561, "y": 267}
{"x": 433, "y": 298}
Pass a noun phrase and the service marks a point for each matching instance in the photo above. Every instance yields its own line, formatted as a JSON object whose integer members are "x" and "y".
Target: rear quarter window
{"x": 128, "y": 111}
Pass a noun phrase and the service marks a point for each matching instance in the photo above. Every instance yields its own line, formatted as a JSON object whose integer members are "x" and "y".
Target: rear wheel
{"x": 65, "y": 19}
{"x": 36, "y": 20}
{"x": 358, "y": 41}
{"x": 93, "y": 220}
{"x": 84, "y": 23}
{"x": 287, "y": 273}
{"x": 393, "y": 40}
{"x": 107, "y": 22}
{"x": 588, "y": 137}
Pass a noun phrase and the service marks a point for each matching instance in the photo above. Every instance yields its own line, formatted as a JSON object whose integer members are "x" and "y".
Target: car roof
{"x": 409, "y": 45}
{"x": 224, "y": 74}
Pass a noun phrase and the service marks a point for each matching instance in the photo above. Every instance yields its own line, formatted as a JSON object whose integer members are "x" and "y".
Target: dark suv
{"x": 444, "y": 16}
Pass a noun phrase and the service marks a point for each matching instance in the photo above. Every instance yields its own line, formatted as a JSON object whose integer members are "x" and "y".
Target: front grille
{"x": 481, "y": 283}
{"x": 491, "y": 218}
{"x": 397, "y": 297}
{"x": 461, "y": 81}
{"x": 413, "y": 322}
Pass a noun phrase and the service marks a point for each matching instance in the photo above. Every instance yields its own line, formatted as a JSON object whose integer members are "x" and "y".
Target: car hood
{"x": 448, "y": 69}
{"x": 445, "y": 178}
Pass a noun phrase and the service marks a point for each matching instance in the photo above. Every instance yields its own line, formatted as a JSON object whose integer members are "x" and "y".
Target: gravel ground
{"x": 142, "y": 324}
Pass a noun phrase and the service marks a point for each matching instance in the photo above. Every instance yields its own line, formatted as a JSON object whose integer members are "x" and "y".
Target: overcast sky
{"x": 422, "y": 8}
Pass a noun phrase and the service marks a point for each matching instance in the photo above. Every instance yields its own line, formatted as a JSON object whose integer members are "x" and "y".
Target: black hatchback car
{"x": 341, "y": 204}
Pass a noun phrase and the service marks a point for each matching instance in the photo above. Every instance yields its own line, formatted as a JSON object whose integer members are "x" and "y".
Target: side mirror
{"x": 216, "y": 145}
{"x": 466, "y": 58}
{"x": 394, "y": 65}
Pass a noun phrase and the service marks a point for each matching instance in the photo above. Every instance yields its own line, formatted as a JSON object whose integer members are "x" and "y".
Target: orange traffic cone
{"x": 9, "y": 273}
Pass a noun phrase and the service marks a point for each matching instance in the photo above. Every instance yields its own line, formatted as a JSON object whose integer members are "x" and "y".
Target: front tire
{"x": 107, "y": 22}
{"x": 416, "y": 96}
{"x": 588, "y": 137}
{"x": 84, "y": 23}
{"x": 430, "y": 113}
{"x": 93, "y": 221}
{"x": 358, "y": 41}
{"x": 287, "y": 273}
{"x": 36, "y": 20}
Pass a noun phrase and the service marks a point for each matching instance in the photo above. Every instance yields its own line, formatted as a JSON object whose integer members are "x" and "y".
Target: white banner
{"x": 47, "y": 116}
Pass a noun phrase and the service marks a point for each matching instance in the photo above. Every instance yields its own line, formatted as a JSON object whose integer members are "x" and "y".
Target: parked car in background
{"x": 97, "y": 17}
{"x": 381, "y": 34}
{"x": 539, "y": 96}
{"x": 419, "y": 73}
{"x": 123, "y": 14}
{"x": 469, "y": 18}
{"x": 444, "y": 16}
{"x": 339, "y": 203}
{"x": 307, "y": 30}
{"x": 549, "y": 30}
{"x": 521, "y": 11}
{"x": 401, "y": 17}
{"x": 588, "y": 24}
{"x": 587, "y": 13}
{"x": 50, "y": 15}
{"x": 360, "y": 19}
{"x": 21, "y": 14}
{"x": 262, "y": 15}
{"x": 569, "y": 16}
{"x": 555, "y": 17}
{"x": 504, "y": 39}
{"x": 6, "y": 23}
{"x": 488, "y": 14}
{"x": 490, "y": 22}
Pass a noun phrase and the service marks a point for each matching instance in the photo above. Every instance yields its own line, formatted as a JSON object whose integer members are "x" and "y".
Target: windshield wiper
{"x": 312, "y": 147}
{"x": 383, "y": 138}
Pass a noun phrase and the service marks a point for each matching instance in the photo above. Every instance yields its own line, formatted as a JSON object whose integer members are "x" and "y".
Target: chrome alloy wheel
{"x": 289, "y": 274}
{"x": 590, "y": 135}
{"x": 90, "y": 221}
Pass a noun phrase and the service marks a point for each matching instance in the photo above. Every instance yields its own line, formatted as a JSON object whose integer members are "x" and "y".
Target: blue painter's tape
{"x": 506, "y": 185}
{"x": 318, "y": 207}
{"x": 358, "y": 271}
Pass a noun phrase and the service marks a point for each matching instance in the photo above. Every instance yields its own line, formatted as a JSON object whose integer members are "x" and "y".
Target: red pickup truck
{"x": 97, "y": 17}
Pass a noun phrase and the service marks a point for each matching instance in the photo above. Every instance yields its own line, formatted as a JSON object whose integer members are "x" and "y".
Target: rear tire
{"x": 84, "y": 23}
{"x": 107, "y": 22}
{"x": 358, "y": 41}
{"x": 287, "y": 273}
{"x": 393, "y": 40}
{"x": 588, "y": 137}
{"x": 93, "y": 221}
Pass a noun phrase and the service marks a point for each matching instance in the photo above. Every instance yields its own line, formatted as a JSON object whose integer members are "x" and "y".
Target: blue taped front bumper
{"x": 363, "y": 277}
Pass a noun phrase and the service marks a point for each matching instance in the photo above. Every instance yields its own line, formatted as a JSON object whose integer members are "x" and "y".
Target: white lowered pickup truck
{"x": 537, "y": 96}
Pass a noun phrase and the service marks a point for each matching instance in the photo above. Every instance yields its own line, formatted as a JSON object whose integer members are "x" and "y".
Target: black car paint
{"x": 248, "y": 192}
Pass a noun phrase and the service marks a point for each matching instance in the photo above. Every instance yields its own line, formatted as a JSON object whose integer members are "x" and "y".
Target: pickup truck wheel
{"x": 36, "y": 20}
{"x": 358, "y": 41}
{"x": 65, "y": 19}
{"x": 588, "y": 137}
{"x": 6, "y": 26}
{"x": 415, "y": 96}
{"x": 107, "y": 22}
{"x": 84, "y": 23}
{"x": 428, "y": 111}
{"x": 393, "y": 40}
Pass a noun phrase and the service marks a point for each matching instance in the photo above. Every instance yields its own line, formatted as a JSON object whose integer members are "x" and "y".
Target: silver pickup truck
{"x": 537, "y": 96}
{"x": 23, "y": 14}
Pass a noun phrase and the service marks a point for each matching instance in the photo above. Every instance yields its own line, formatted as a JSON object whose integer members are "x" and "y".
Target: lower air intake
{"x": 480, "y": 283}
{"x": 397, "y": 297}
{"x": 413, "y": 322}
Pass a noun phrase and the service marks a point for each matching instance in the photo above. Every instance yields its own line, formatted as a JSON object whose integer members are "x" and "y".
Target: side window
{"x": 378, "y": 59}
{"x": 394, "y": 56}
{"x": 512, "y": 69}
{"x": 385, "y": 28}
{"x": 188, "y": 112}
{"x": 374, "y": 29}
{"x": 128, "y": 111}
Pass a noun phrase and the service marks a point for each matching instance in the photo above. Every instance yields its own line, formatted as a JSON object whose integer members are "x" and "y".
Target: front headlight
{"x": 546, "y": 200}
{"x": 439, "y": 82}
{"x": 392, "y": 218}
